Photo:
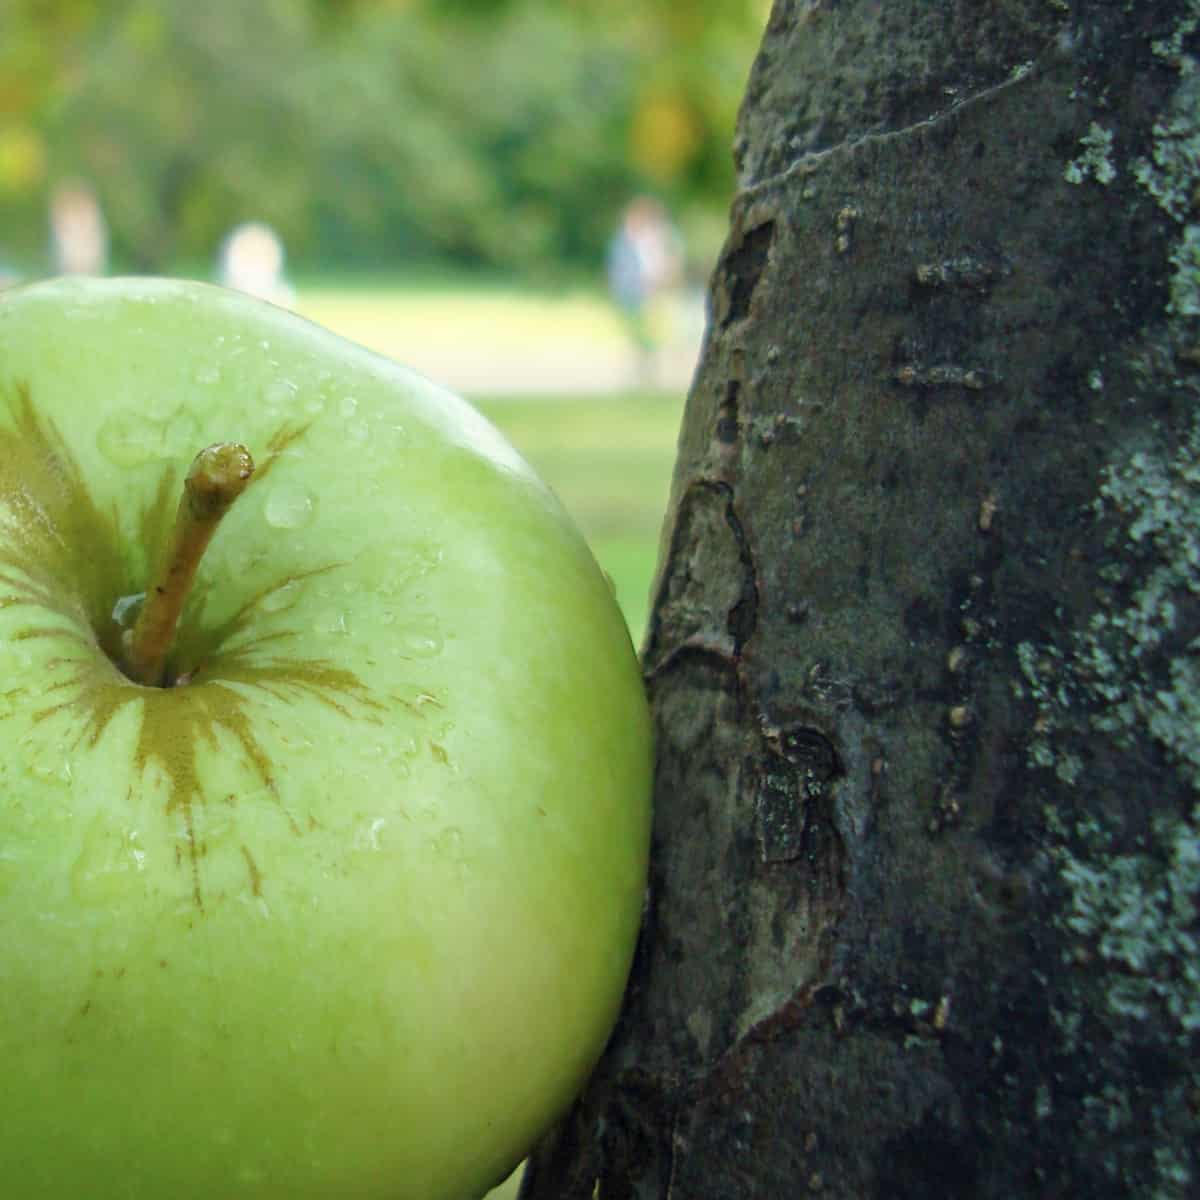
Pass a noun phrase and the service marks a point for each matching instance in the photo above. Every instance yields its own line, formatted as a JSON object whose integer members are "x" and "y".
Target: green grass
{"x": 494, "y": 339}
{"x": 609, "y": 459}
{"x": 508, "y": 1189}
{"x": 509, "y": 329}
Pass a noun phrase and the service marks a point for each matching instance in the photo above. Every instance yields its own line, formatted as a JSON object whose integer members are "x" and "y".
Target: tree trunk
{"x": 925, "y": 654}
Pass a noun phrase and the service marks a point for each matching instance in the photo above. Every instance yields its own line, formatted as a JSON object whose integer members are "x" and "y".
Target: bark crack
{"x": 809, "y": 161}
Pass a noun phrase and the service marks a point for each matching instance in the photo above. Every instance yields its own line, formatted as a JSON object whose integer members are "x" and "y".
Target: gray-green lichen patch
{"x": 1171, "y": 48}
{"x": 1130, "y": 920}
{"x": 1185, "y": 279}
{"x": 1114, "y": 695}
{"x": 1140, "y": 920}
{"x": 1158, "y": 494}
{"x": 1171, "y": 172}
{"x": 1175, "y": 156}
{"x": 1134, "y": 669}
{"x": 1115, "y": 698}
{"x": 1096, "y": 160}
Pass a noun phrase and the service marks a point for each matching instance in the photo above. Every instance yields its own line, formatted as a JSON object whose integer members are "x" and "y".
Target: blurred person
{"x": 645, "y": 258}
{"x": 78, "y": 232}
{"x": 252, "y": 261}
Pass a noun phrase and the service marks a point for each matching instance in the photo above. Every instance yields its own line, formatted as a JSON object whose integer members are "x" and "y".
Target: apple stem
{"x": 217, "y": 477}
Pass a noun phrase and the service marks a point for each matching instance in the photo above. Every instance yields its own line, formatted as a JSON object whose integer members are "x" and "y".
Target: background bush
{"x": 501, "y": 133}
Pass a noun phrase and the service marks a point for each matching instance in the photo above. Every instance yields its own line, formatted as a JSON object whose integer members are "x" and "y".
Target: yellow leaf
{"x": 664, "y": 136}
{"x": 22, "y": 159}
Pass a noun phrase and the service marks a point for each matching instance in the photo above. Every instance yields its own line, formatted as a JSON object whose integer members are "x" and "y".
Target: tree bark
{"x": 925, "y": 653}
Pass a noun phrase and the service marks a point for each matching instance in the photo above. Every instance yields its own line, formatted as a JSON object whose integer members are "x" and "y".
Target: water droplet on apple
{"x": 281, "y": 393}
{"x": 289, "y": 506}
{"x": 348, "y": 406}
{"x": 421, "y": 638}
{"x": 332, "y": 621}
{"x": 402, "y": 752}
{"x": 374, "y": 833}
{"x": 277, "y": 599}
{"x": 109, "y": 863}
{"x": 125, "y": 611}
{"x": 327, "y": 388}
{"x": 357, "y": 432}
{"x": 208, "y": 375}
{"x": 409, "y": 565}
{"x": 58, "y": 771}
{"x": 449, "y": 843}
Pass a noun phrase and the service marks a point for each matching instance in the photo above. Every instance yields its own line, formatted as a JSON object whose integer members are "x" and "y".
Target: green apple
{"x": 341, "y": 902}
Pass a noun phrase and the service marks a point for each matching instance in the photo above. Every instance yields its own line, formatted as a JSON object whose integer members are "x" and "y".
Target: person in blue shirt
{"x": 644, "y": 260}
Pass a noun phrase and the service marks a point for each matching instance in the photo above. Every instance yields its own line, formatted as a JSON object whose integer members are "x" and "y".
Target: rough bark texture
{"x": 925, "y": 655}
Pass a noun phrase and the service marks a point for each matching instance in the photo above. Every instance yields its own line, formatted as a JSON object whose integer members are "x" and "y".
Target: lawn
{"x": 405, "y": 320}
{"x": 489, "y": 339}
{"x": 609, "y": 459}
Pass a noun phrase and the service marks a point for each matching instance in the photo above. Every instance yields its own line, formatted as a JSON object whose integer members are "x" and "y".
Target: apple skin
{"x": 349, "y": 913}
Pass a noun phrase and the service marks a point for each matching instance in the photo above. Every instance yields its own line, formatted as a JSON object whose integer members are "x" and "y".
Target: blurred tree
{"x": 500, "y": 162}
{"x": 501, "y": 131}
{"x": 219, "y": 139}
{"x": 182, "y": 116}
{"x": 39, "y": 52}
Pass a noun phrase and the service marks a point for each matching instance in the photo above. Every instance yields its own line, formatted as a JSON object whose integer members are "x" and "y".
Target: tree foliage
{"x": 503, "y": 131}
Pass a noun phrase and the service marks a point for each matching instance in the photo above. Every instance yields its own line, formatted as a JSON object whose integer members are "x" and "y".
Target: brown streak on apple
{"x": 54, "y": 514}
{"x": 277, "y": 443}
{"x": 255, "y": 874}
